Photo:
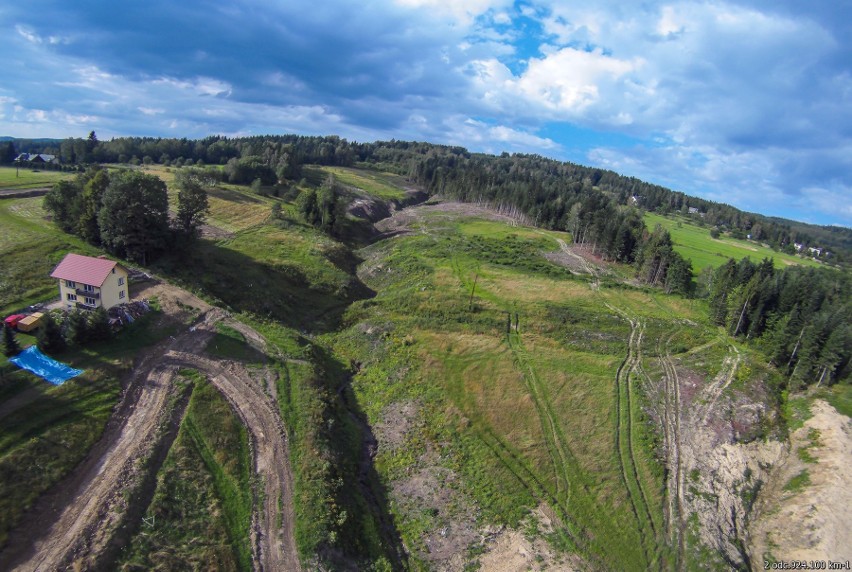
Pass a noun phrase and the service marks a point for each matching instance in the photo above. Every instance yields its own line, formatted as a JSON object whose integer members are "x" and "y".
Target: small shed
{"x": 31, "y": 322}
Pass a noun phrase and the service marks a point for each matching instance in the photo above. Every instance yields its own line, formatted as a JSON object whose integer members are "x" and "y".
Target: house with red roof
{"x": 88, "y": 283}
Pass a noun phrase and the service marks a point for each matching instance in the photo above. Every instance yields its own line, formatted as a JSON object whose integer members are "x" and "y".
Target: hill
{"x": 455, "y": 387}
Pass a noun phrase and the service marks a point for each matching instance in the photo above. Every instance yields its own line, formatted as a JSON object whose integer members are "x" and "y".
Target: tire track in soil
{"x": 86, "y": 507}
{"x": 624, "y": 438}
{"x": 273, "y": 541}
{"x": 87, "y": 504}
{"x": 672, "y": 432}
{"x": 563, "y": 460}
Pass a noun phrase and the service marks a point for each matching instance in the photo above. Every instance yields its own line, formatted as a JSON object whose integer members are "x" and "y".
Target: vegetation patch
{"x": 798, "y": 482}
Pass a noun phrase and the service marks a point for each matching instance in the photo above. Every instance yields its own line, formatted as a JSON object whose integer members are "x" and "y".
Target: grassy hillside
{"x": 695, "y": 243}
{"x": 433, "y": 384}
{"x": 514, "y": 388}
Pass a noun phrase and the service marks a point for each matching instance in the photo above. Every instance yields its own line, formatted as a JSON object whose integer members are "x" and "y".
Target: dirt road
{"x": 73, "y": 525}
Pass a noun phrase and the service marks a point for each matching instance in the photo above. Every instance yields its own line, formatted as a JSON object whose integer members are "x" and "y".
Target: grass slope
{"x": 694, "y": 242}
{"x": 515, "y": 384}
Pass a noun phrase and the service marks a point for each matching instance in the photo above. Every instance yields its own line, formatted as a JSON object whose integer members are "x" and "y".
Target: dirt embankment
{"x": 812, "y": 521}
{"x": 74, "y": 525}
{"x": 714, "y": 469}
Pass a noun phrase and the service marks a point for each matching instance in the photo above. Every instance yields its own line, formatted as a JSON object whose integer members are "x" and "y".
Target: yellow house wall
{"x": 65, "y": 290}
{"x": 111, "y": 289}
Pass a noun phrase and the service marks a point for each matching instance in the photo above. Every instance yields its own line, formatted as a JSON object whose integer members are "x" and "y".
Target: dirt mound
{"x": 810, "y": 521}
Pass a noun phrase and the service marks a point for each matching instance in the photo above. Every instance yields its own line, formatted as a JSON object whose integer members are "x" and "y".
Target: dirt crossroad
{"x": 73, "y": 525}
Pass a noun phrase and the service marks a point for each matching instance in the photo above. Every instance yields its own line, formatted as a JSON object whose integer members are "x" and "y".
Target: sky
{"x": 747, "y": 103}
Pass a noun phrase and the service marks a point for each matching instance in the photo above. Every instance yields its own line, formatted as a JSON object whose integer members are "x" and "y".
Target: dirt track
{"x": 88, "y": 506}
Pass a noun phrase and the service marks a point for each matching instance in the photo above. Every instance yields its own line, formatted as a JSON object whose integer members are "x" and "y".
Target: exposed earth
{"x": 88, "y": 507}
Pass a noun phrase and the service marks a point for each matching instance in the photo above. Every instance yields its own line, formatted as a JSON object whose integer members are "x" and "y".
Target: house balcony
{"x": 82, "y": 306}
{"x": 81, "y": 292}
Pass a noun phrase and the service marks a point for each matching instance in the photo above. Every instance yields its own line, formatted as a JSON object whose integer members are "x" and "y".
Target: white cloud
{"x": 28, "y": 34}
{"x": 201, "y": 85}
{"x": 462, "y": 11}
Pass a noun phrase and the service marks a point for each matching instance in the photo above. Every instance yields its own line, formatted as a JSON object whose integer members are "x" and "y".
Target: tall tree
{"x": 192, "y": 203}
{"x": 50, "y": 339}
{"x": 134, "y": 217}
{"x": 91, "y": 202}
{"x": 64, "y": 202}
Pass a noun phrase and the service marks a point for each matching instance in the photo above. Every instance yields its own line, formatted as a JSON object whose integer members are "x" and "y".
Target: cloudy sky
{"x": 746, "y": 102}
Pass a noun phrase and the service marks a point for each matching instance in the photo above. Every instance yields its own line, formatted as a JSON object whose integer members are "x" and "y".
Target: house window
{"x": 88, "y": 288}
{"x": 121, "y": 281}
{"x": 90, "y": 301}
{"x": 121, "y": 294}
{"x": 71, "y": 297}
{"x": 70, "y": 284}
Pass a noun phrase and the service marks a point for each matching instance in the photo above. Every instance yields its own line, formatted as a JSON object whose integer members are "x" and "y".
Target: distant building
{"x": 693, "y": 210}
{"x": 798, "y": 246}
{"x": 815, "y": 250}
{"x": 36, "y": 158}
{"x": 88, "y": 283}
{"x": 636, "y": 200}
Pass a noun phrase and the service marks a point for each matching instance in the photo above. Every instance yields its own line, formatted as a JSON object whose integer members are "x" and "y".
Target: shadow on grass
{"x": 375, "y": 536}
{"x": 280, "y": 293}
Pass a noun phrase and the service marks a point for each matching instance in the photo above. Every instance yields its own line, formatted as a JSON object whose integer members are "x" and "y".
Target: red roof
{"x": 84, "y": 269}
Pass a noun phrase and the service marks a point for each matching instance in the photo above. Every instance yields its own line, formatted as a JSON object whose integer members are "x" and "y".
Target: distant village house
{"x": 36, "y": 158}
{"x": 88, "y": 283}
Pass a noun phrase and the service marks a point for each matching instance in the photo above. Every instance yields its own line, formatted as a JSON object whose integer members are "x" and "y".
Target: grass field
{"x": 381, "y": 185}
{"x": 694, "y": 242}
{"x": 516, "y": 385}
{"x": 12, "y": 178}
{"x": 29, "y": 249}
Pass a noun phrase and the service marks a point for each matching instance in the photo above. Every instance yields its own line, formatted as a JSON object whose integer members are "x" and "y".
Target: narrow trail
{"x": 624, "y": 437}
{"x": 273, "y": 539}
{"x": 87, "y": 506}
{"x": 711, "y": 393}
{"x": 673, "y": 438}
{"x": 558, "y": 449}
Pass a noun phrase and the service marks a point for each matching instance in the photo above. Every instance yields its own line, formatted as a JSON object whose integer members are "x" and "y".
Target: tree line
{"x": 532, "y": 182}
{"x": 127, "y": 211}
{"x": 800, "y": 317}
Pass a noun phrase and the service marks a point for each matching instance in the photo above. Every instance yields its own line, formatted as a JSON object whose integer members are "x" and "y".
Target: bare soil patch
{"x": 408, "y": 219}
{"x": 813, "y": 522}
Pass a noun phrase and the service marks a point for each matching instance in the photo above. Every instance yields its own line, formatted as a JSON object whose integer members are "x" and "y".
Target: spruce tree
{"x": 50, "y": 339}
{"x": 11, "y": 347}
{"x": 99, "y": 329}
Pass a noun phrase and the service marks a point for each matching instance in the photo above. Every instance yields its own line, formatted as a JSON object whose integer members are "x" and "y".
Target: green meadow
{"x": 29, "y": 178}
{"x": 695, "y": 243}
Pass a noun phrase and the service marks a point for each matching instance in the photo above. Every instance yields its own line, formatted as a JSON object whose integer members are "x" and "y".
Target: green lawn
{"x": 381, "y": 185}
{"x": 12, "y": 178}
{"x": 695, "y": 243}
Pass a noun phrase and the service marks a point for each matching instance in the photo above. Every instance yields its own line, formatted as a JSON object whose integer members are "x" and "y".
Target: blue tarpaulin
{"x": 57, "y": 373}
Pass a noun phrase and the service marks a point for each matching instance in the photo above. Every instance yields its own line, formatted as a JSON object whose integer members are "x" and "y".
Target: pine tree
{"x": 78, "y": 325}
{"x": 99, "y": 328}
{"x": 11, "y": 347}
{"x": 50, "y": 339}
